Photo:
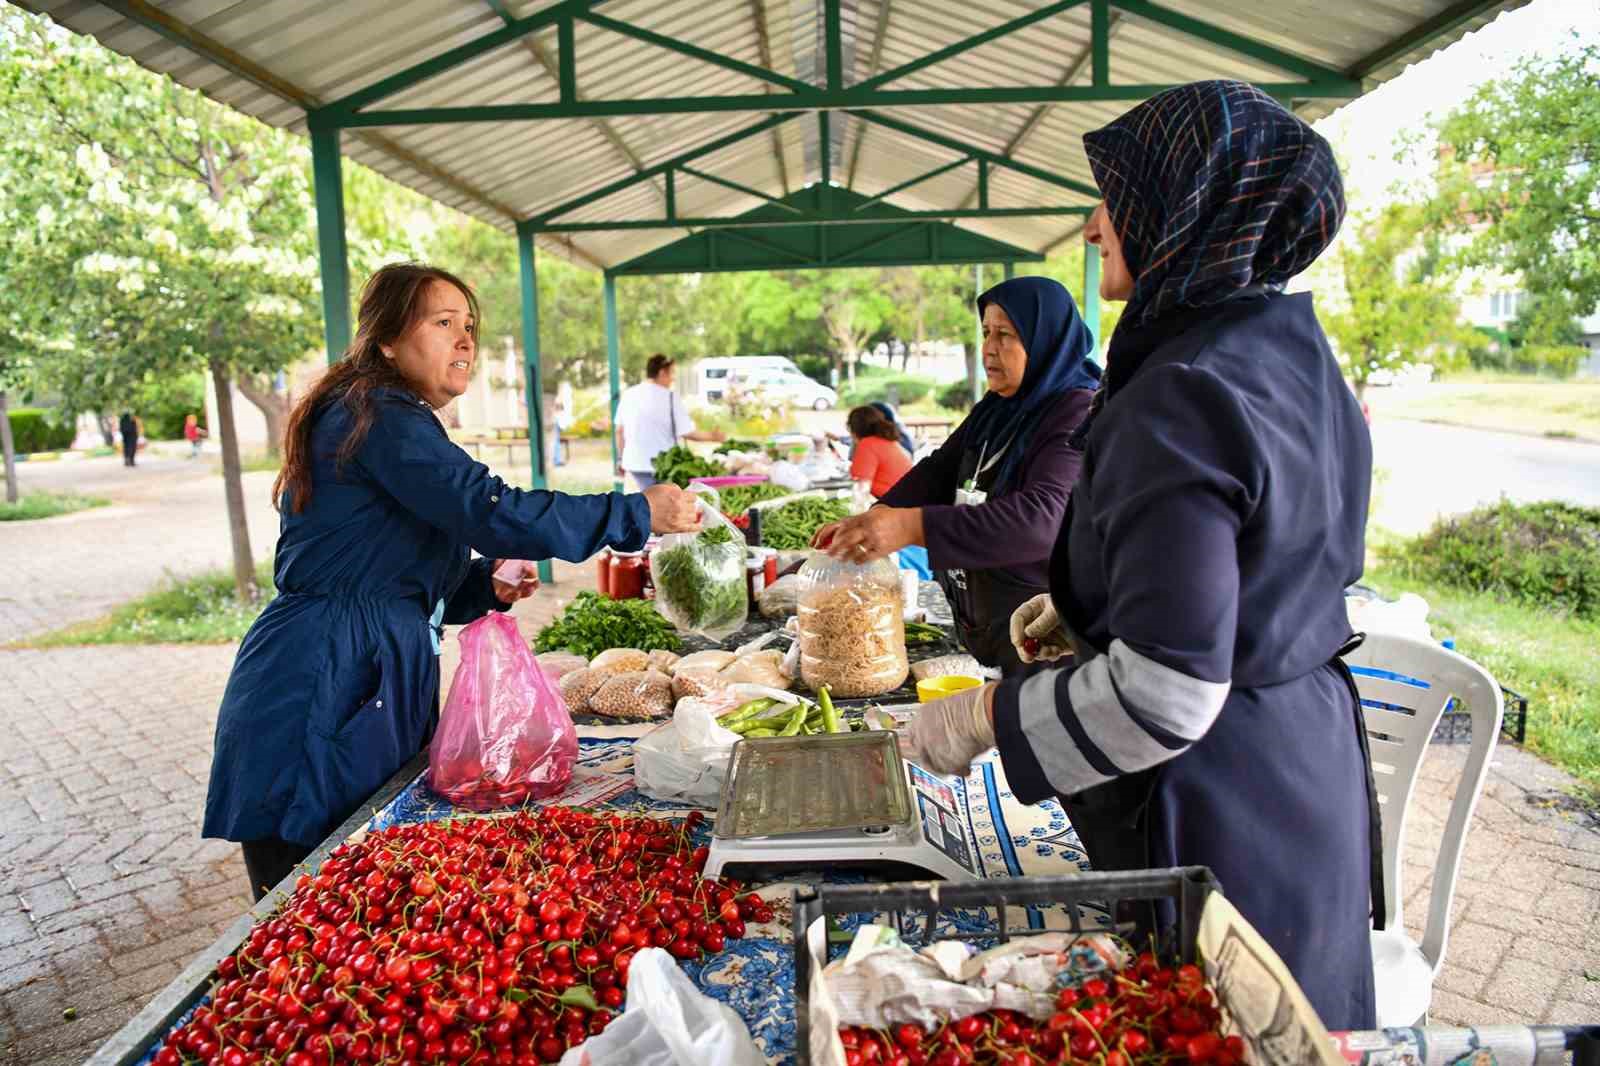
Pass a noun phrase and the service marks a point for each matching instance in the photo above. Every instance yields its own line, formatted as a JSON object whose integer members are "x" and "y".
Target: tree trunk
{"x": 108, "y": 428}
{"x": 9, "y": 448}
{"x": 274, "y": 408}
{"x": 971, "y": 351}
{"x": 1361, "y": 389}
{"x": 244, "y": 565}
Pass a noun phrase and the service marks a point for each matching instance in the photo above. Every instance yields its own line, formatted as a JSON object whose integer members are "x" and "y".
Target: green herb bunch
{"x": 593, "y": 623}
{"x": 678, "y": 464}
{"x": 700, "y": 582}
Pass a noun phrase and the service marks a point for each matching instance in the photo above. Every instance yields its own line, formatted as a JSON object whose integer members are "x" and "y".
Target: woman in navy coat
{"x": 1199, "y": 578}
{"x": 336, "y": 685}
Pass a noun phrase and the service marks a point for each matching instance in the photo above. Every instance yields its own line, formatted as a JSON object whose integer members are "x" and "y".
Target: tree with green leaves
{"x": 1522, "y": 178}
{"x": 164, "y": 234}
{"x": 1393, "y": 299}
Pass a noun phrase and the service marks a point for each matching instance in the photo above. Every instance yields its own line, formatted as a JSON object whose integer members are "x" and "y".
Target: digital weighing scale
{"x": 816, "y": 801}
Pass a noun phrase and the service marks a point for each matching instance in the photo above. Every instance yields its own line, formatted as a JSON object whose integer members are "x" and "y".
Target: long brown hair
{"x": 391, "y": 303}
{"x": 870, "y": 422}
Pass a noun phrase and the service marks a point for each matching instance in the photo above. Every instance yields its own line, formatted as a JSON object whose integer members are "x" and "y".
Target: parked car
{"x": 789, "y": 386}
{"x": 711, "y": 376}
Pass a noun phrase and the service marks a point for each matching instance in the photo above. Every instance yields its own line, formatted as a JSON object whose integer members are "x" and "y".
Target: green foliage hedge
{"x": 1544, "y": 554}
{"x": 875, "y": 389}
{"x": 163, "y": 405}
{"x": 35, "y": 430}
{"x": 957, "y": 396}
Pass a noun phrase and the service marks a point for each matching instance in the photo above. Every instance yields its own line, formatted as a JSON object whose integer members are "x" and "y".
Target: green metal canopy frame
{"x": 821, "y": 225}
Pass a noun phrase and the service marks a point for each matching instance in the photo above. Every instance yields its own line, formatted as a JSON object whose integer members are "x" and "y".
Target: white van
{"x": 711, "y": 375}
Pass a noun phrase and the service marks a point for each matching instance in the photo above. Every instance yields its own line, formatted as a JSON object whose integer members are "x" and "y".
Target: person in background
{"x": 1209, "y": 719}
{"x": 877, "y": 456}
{"x": 193, "y": 434}
{"x": 987, "y": 504}
{"x": 336, "y": 685}
{"x": 650, "y": 419}
{"x": 902, "y": 434}
{"x": 128, "y": 427}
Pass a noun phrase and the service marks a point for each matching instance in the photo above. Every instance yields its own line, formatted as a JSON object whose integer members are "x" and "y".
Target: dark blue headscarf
{"x": 1058, "y": 344}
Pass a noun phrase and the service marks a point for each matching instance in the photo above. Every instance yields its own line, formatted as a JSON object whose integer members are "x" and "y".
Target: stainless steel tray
{"x": 778, "y": 786}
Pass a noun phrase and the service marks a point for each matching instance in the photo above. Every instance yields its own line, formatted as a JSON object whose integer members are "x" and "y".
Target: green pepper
{"x": 762, "y": 733}
{"x": 796, "y": 720}
{"x": 745, "y": 710}
{"x": 830, "y": 717}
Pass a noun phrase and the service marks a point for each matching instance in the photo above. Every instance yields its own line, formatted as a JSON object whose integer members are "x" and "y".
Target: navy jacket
{"x": 336, "y": 685}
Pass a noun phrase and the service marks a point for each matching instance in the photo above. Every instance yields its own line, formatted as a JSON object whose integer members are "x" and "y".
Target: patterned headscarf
{"x": 1214, "y": 188}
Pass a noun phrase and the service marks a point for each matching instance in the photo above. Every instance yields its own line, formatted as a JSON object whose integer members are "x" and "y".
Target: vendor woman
{"x": 336, "y": 685}
{"x": 987, "y": 504}
{"x": 1200, "y": 577}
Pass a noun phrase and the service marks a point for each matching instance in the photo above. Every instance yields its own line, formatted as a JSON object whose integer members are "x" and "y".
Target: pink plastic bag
{"x": 505, "y": 736}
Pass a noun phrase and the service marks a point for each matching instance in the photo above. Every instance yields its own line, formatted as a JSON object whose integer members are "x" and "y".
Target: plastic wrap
{"x": 700, "y": 578}
{"x": 852, "y": 633}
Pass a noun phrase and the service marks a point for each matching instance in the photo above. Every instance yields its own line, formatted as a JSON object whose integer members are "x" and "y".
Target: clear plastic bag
{"x": 639, "y": 695}
{"x": 505, "y": 736}
{"x": 852, "y": 633}
{"x": 700, "y": 578}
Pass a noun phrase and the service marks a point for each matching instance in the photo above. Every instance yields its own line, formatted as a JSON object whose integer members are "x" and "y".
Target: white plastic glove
{"x": 946, "y": 735}
{"x": 1037, "y": 620}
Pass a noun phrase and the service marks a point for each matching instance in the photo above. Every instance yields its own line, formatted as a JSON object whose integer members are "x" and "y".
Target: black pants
{"x": 269, "y": 861}
{"x": 130, "y": 445}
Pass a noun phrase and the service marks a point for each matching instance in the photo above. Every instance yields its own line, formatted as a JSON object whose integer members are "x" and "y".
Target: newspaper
{"x": 1497, "y": 1045}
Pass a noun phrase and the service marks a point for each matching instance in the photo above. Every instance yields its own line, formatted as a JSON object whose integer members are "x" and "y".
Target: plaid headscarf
{"x": 1213, "y": 188}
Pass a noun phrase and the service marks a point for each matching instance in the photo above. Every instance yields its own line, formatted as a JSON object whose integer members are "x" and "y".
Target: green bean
{"x": 830, "y": 717}
{"x": 796, "y": 720}
{"x": 761, "y": 733}
{"x": 745, "y": 710}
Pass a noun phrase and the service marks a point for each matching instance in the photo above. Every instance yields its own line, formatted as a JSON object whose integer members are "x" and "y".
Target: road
{"x": 1432, "y": 470}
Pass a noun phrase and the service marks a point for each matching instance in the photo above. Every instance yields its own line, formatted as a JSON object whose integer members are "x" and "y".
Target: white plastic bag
{"x": 686, "y": 759}
{"x": 1406, "y": 617}
{"x": 789, "y": 476}
{"x": 668, "y": 1022}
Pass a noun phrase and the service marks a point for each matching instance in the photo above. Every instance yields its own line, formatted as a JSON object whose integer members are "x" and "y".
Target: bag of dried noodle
{"x": 852, "y": 627}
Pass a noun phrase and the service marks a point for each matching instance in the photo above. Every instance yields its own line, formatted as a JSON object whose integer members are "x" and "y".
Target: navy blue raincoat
{"x": 336, "y": 685}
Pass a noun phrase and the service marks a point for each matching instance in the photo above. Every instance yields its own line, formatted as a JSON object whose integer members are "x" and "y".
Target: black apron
{"x": 982, "y": 601}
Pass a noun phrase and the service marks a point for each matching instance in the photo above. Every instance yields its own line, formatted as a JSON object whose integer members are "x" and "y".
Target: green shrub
{"x": 1541, "y": 554}
{"x": 35, "y": 430}
{"x": 875, "y": 389}
{"x": 956, "y": 396}
{"x": 163, "y": 405}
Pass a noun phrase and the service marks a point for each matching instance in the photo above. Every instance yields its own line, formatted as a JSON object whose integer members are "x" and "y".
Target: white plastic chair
{"x": 1405, "y": 686}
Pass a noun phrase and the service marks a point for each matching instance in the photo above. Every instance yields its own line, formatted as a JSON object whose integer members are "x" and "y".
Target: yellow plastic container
{"x": 937, "y": 688}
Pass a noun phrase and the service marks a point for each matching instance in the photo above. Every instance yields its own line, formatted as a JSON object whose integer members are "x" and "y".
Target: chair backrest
{"x": 1405, "y": 686}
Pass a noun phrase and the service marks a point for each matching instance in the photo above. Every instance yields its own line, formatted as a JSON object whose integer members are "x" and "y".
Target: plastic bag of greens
{"x": 852, "y": 631}
{"x": 700, "y": 578}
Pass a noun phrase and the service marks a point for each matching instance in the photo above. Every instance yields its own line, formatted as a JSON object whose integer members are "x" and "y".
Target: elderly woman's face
{"x": 435, "y": 354}
{"x": 1116, "y": 280}
{"x": 1005, "y": 361}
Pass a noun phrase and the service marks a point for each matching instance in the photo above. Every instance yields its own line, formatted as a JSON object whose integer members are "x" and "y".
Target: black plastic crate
{"x": 1455, "y": 725}
{"x": 1186, "y": 888}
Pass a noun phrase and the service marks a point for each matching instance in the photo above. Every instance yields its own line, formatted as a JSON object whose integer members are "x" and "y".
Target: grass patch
{"x": 193, "y": 610}
{"x": 47, "y": 505}
{"x": 1569, "y": 409}
{"x": 1548, "y": 656}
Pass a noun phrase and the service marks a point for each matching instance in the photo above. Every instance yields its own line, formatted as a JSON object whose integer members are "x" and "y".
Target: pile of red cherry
{"x": 498, "y": 941}
{"x": 1144, "y": 1015}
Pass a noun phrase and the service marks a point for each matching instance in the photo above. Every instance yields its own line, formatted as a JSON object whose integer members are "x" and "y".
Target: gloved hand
{"x": 948, "y": 734}
{"x": 1036, "y": 631}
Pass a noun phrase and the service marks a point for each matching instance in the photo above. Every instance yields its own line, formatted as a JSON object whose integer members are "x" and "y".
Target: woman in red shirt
{"x": 878, "y": 455}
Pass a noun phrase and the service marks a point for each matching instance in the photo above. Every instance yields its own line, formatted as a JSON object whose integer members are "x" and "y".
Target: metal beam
{"x": 884, "y": 7}
{"x": 614, "y": 367}
{"x": 454, "y": 57}
{"x": 1100, "y": 41}
{"x": 860, "y": 252}
{"x": 833, "y": 43}
{"x": 1233, "y": 42}
{"x": 566, "y": 61}
{"x": 332, "y": 255}
{"x": 647, "y": 173}
{"x": 704, "y": 55}
{"x": 1439, "y": 25}
{"x": 918, "y": 180}
{"x": 823, "y": 219}
{"x": 852, "y": 99}
{"x": 968, "y": 44}
{"x": 995, "y": 160}
{"x": 1070, "y": 75}
{"x": 758, "y": 15}
{"x": 824, "y": 151}
{"x": 1091, "y": 297}
{"x": 533, "y": 387}
{"x": 735, "y": 186}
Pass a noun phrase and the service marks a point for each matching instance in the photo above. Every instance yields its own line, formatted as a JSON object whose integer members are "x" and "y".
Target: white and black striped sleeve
{"x": 1173, "y": 480}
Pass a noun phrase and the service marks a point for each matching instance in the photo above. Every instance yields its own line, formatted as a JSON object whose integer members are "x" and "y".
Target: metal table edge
{"x": 131, "y": 1043}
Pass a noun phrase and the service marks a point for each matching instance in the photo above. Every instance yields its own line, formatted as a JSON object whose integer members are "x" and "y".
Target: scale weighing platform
{"x": 837, "y": 798}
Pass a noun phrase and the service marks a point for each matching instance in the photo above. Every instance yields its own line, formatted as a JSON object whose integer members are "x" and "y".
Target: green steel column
{"x": 331, "y": 254}
{"x": 533, "y": 386}
{"x": 613, "y": 361}
{"x": 973, "y": 374}
{"x": 1091, "y": 295}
